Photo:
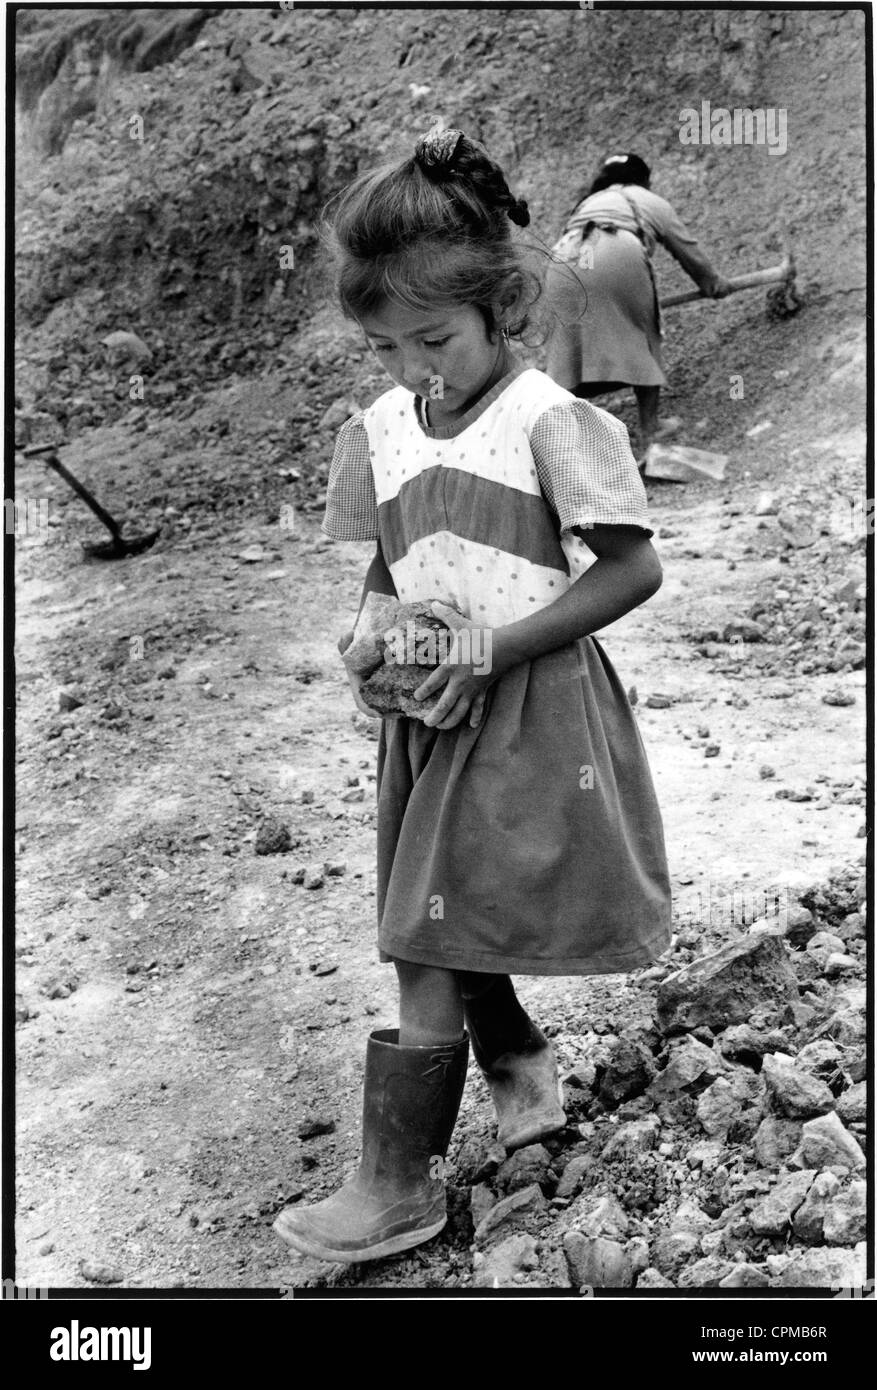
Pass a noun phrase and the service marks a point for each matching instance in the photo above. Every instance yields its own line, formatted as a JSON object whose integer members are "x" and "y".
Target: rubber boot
{"x": 396, "y": 1199}
{"x": 523, "y": 1079}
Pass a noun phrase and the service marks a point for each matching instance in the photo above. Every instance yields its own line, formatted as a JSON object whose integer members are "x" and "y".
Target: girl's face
{"x": 445, "y": 355}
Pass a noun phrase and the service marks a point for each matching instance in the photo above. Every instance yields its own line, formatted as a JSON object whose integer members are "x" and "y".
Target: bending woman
{"x": 611, "y": 336}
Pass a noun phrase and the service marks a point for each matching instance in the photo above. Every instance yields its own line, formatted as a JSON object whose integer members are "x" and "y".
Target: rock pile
{"x": 719, "y": 1146}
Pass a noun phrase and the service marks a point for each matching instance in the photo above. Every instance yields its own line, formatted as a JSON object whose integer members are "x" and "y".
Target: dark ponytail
{"x": 432, "y": 230}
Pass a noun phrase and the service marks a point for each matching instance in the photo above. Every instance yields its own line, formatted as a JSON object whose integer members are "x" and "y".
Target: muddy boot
{"x": 518, "y": 1063}
{"x": 396, "y": 1199}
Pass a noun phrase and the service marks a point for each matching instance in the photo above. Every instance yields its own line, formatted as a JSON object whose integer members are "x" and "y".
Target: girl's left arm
{"x": 626, "y": 573}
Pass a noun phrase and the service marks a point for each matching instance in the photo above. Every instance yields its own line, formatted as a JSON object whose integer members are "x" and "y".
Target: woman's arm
{"x": 626, "y": 573}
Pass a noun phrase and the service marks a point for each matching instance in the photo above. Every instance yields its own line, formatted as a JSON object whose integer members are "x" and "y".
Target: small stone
{"x": 826, "y": 1144}
{"x": 481, "y": 1201}
{"x": 297, "y": 875}
{"x": 838, "y": 963}
{"x": 773, "y": 1214}
{"x": 691, "y": 1068}
{"x": 821, "y": 1058}
{"x": 314, "y": 877}
{"x": 629, "y": 1071}
{"x": 70, "y": 699}
{"x": 808, "y": 1219}
{"x": 315, "y": 1126}
{"x": 792, "y": 1092}
{"x": 573, "y": 1175}
{"x": 717, "y": 1108}
{"x": 766, "y": 505}
{"x": 845, "y": 1220}
{"x": 524, "y": 1167}
{"x": 825, "y": 1268}
{"x": 520, "y": 1209}
{"x": 852, "y": 928}
{"x": 766, "y": 772}
{"x": 824, "y": 941}
{"x": 839, "y": 697}
{"x": 273, "y": 837}
{"x": 707, "y": 1273}
{"x": 502, "y": 1264}
{"x": 853, "y": 1104}
{"x": 47, "y": 1247}
{"x": 631, "y": 1138}
{"x": 335, "y": 868}
{"x": 597, "y": 1263}
{"x": 658, "y": 701}
{"x": 637, "y": 1252}
{"x": 251, "y": 555}
{"x": 601, "y": 1216}
{"x": 743, "y": 630}
{"x": 775, "y": 1139}
{"x": 673, "y": 1251}
{"x": 97, "y": 1273}
{"x": 712, "y": 750}
{"x": 653, "y": 1279}
{"x": 745, "y": 1276}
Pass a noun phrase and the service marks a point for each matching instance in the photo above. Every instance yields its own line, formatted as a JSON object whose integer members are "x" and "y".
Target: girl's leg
{"x": 516, "y": 1058}
{"x": 495, "y": 1011}
{"x": 430, "y": 1007}
{"x": 647, "y": 398}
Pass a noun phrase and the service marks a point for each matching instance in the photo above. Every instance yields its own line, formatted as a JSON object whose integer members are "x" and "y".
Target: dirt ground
{"x": 205, "y": 1006}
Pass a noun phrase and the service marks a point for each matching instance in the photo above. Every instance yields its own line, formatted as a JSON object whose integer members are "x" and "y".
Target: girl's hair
{"x": 433, "y": 230}
{"x": 616, "y": 168}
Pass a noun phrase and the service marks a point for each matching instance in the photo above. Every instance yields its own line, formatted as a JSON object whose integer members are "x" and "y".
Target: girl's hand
{"x": 467, "y": 672}
{"x": 355, "y": 680}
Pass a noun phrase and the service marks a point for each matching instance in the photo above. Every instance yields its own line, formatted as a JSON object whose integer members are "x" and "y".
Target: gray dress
{"x": 601, "y": 295}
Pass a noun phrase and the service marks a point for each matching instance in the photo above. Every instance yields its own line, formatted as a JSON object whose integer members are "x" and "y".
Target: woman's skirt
{"x": 604, "y": 315}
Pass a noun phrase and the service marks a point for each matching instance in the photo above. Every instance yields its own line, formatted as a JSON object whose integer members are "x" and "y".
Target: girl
{"x": 517, "y": 825}
{"x": 609, "y": 238}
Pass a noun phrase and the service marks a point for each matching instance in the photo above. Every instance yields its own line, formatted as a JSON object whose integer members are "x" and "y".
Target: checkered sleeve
{"x": 586, "y": 468}
{"x": 351, "y": 505}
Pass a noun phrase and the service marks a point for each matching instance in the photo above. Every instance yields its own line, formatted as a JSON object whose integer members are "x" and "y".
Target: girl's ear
{"x": 506, "y": 307}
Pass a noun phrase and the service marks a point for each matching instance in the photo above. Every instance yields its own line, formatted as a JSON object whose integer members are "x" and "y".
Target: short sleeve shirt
{"x": 479, "y": 513}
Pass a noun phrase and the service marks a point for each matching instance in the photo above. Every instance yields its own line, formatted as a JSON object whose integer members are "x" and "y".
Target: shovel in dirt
{"x": 120, "y": 546}
{"x": 784, "y": 299}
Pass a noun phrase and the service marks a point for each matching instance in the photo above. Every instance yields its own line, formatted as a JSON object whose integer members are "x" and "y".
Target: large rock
{"x": 775, "y": 1139}
{"x": 807, "y": 1222}
{"x": 727, "y": 986}
{"x": 826, "y": 1144}
{"x": 845, "y": 1219}
{"x": 774, "y": 1213}
{"x": 825, "y": 1269}
{"x": 631, "y": 1068}
{"x": 395, "y": 646}
{"x": 793, "y": 1093}
{"x": 596, "y": 1262}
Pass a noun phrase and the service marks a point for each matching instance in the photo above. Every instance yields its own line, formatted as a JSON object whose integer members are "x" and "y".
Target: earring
{"x": 506, "y": 333}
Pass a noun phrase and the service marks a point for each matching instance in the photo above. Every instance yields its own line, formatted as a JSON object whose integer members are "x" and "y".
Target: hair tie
{"x": 437, "y": 154}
